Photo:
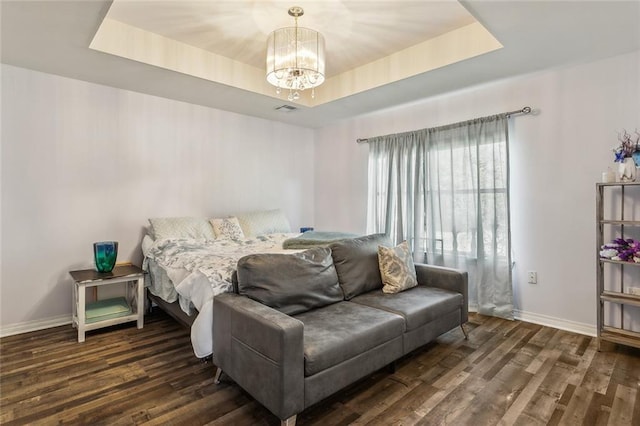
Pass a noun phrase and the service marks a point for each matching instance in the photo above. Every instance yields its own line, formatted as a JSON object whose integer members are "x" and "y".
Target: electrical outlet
{"x": 533, "y": 277}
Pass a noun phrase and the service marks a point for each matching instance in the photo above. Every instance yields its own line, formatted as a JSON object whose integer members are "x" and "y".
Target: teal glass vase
{"x": 105, "y": 254}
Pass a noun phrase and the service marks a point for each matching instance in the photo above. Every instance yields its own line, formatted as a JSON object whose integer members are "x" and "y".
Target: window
{"x": 446, "y": 192}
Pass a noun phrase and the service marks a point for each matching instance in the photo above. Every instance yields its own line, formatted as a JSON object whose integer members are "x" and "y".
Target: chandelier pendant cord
{"x": 296, "y": 39}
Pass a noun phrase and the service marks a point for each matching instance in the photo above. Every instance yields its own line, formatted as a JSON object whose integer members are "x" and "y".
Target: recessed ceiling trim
{"x": 455, "y": 46}
{"x": 133, "y": 43}
{"x": 127, "y": 41}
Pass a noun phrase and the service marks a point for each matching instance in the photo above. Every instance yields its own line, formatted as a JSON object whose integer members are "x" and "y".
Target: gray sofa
{"x": 304, "y": 326}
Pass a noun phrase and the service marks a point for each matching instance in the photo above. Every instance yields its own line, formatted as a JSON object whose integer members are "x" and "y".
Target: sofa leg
{"x": 218, "y": 375}
{"x": 466, "y": 336}
{"x": 291, "y": 421}
{"x": 391, "y": 367}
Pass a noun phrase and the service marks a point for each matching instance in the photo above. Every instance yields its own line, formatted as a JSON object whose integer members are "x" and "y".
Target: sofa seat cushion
{"x": 418, "y": 305}
{"x": 338, "y": 332}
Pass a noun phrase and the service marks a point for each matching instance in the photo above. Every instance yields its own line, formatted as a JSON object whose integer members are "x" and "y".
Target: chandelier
{"x": 295, "y": 58}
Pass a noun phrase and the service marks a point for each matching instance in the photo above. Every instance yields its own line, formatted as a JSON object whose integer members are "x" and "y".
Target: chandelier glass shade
{"x": 295, "y": 58}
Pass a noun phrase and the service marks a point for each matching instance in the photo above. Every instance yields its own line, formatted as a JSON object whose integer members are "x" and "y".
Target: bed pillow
{"x": 356, "y": 262}
{"x": 181, "y": 227}
{"x": 290, "y": 283}
{"x": 227, "y": 228}
{"x": 263, "y": 222}
{"x": 396, "y": 268}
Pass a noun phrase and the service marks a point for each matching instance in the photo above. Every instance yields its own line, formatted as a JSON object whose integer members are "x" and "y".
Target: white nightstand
{"x": 104, "y": 313}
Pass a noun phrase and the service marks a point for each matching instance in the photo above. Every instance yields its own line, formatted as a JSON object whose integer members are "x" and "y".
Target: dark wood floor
{"x": 507, "y": 373}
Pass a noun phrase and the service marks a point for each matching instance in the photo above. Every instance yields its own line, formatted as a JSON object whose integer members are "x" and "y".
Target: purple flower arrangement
{"x": 628, "y": 146}
{"x": 620, "y": 249}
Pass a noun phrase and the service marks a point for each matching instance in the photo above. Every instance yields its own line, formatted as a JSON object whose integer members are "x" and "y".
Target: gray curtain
{"x": 445, "y": 191}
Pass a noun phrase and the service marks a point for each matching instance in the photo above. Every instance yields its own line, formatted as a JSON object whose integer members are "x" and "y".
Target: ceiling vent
{"x": 286, "y": 108}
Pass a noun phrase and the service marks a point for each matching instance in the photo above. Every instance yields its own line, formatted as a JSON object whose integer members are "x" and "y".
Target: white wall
{"x": 557, "y": 155}
{"x": 83, "y": 163}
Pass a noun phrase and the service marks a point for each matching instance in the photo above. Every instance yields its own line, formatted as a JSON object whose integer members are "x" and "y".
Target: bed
{"x": 190, "y": 260}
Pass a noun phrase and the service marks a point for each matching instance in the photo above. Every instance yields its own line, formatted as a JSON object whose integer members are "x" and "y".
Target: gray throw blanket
{"x": 315, "y": 238}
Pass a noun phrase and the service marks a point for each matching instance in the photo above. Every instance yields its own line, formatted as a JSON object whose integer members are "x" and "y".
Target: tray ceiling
{"x": 369, "y": 44}
{"x": 54, "y": 37}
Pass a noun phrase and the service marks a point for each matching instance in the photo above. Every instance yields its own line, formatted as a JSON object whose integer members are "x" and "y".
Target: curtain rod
{"x": 524, "y": 110}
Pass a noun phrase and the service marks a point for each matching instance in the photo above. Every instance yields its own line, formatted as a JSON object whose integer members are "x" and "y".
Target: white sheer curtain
{"x": 445, "y": 191}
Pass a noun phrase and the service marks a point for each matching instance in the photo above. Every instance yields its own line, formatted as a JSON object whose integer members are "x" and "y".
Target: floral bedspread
{"x": 202, "y": 269}
{"x": 215, "y": 259}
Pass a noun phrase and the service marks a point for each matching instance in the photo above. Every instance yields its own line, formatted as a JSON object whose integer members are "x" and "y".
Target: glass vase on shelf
{"x": 105, "y": 254}
{"x": 627, "y": 170}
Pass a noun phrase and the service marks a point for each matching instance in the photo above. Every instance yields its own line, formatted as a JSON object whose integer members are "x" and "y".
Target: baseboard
{"x": 559, "y": 323}
{"x": 28, "y": 326}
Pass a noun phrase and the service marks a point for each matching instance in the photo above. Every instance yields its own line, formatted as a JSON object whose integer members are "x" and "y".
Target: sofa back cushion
{"x": 290, "y": 283}
{"x": 356, "y": 262}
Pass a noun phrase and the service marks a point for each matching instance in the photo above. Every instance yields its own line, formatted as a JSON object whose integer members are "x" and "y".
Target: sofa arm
{"x": 447, "y": 279}
{"x": 261, "y": 349}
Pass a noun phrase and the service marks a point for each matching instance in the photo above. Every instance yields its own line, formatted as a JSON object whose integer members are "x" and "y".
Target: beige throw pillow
{"x": 227, "y": 228}
{"x": 396, "y": 268}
